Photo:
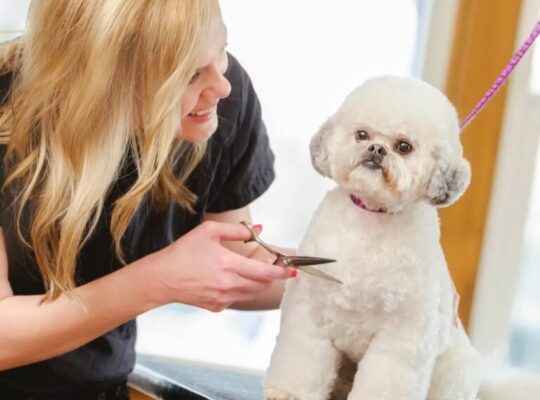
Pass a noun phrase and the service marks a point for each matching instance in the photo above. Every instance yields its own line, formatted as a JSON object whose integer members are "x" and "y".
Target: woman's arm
{"x": 270, "y": 298}
{"x": 195, "y": 270}
{"x": 31, "y": 331}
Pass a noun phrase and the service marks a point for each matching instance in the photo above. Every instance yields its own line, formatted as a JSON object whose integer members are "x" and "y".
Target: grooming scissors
{"x": 303, "y": 263}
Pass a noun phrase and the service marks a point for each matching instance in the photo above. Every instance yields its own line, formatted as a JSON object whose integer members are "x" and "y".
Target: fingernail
{"x": 257, "y": 228}
{"x": 294, "y": 272}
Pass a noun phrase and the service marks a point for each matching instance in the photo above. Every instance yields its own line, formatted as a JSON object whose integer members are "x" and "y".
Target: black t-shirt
{"x": 237, "y": 168}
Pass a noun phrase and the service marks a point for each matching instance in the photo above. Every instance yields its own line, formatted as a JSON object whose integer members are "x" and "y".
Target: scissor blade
{"x": 301, "y": 261}
{"x": 315, "y": 272}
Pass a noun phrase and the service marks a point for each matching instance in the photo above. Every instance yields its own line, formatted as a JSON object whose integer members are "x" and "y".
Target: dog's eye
{"x": 361, "y": 135}
{"x": 403, "y": 147}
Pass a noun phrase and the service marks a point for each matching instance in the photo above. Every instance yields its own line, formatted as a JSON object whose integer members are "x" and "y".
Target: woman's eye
{"x": 361, "y": 135}
{"x": 194, "y": 77}
{"x": 403, "y": 147}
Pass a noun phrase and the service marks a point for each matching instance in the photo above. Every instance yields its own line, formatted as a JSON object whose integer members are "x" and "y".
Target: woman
{"x": 119, "y": 187}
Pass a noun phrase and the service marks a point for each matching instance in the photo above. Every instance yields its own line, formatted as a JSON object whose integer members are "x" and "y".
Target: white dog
{"x": 393, "y": 148}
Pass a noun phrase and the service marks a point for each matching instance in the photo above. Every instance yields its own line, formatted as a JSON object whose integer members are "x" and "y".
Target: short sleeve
{"x": 246, "y": 161}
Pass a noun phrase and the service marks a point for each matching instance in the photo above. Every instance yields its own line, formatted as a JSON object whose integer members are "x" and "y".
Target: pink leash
{"x": 502, "y": 77}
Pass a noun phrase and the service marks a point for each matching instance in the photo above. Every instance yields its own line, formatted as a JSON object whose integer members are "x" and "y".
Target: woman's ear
{"x": 318, "y": 149}
{"x": 448, "y": 182}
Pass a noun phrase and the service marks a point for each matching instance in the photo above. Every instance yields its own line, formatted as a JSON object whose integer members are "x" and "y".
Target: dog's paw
{"x": 276, "y": 394}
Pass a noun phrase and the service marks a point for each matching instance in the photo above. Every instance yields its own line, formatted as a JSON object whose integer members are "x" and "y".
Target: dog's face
{"x": 393, "y": 142}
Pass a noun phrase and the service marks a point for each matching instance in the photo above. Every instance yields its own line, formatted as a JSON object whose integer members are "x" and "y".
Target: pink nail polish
{"x": 294, "y": 273}
{"x": 257, "y": 228}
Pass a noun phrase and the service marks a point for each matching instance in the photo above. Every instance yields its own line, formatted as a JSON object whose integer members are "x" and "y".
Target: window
{"x": 12, "y": 17}
{"x": 525, "y": 334}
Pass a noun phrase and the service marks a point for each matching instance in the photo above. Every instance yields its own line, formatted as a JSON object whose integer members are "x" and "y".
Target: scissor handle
{"x": 255, "y": 237}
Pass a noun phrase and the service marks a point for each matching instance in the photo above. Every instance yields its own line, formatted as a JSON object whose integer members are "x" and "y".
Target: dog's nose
{"x": 377, "y": 150}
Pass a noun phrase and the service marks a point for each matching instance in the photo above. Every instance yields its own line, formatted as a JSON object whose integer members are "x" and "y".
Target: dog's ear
{"x": 319, "y": 152}
{"x": 448, "y": 181}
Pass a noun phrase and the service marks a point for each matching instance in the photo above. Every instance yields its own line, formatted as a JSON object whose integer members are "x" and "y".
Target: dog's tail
{"x": 511, "y": 385}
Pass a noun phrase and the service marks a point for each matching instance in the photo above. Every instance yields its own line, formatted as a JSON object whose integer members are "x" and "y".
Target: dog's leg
{"x": 458, "y": 371}
{"x": 304, "y": 363}
{"x": 397, "y": 364}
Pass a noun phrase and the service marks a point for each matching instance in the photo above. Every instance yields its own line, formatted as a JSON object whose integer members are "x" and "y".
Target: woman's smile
{"x": 202, "y": 116}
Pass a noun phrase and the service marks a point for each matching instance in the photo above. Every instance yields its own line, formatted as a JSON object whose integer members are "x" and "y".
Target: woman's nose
{"x": 224, "y": 87}
{"x": 220, "y": 87}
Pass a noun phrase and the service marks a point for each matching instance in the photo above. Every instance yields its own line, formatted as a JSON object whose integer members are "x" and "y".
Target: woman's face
{"x": 206, "y": 88}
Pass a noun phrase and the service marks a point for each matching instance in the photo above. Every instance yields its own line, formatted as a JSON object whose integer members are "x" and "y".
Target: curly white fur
{"x": 393, "y": 319}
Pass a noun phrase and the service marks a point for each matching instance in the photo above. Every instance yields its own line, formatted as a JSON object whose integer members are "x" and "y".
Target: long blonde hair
{"x": 99, "y": 80}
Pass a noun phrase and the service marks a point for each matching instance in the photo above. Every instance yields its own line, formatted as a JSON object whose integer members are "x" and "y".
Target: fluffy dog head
{"x": 394, "y": 142}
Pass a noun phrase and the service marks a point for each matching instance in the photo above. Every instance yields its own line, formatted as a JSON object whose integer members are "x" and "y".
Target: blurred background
{"x": 304, "y": 57}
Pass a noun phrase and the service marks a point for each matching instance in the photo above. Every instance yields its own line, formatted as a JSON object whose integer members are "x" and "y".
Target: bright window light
{"x": 13, "y": 15}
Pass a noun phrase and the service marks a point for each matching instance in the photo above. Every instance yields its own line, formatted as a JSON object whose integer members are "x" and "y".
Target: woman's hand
{"x": 198, "y": 270}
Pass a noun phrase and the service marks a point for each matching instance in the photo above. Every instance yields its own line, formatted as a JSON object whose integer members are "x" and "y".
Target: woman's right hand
{"x": 197, "y": 270}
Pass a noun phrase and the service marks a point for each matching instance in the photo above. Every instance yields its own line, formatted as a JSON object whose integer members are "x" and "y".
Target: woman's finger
{"x": 227, "y": 231}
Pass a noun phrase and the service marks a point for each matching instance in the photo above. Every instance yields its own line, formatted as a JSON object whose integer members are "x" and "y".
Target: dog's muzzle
{"x": 374, "y": 157}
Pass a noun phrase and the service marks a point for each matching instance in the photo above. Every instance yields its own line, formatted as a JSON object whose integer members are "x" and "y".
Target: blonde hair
{"x": 100, "y": 80}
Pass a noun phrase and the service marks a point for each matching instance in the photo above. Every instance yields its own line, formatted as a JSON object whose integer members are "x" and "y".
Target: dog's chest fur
{"x": 382, "y": 260}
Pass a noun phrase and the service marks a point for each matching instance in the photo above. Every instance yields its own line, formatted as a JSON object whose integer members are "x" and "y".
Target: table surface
{"x": 173, "y": 379}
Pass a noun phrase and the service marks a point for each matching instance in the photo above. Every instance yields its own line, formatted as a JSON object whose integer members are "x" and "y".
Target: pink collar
{"x": 359, "y": 203}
